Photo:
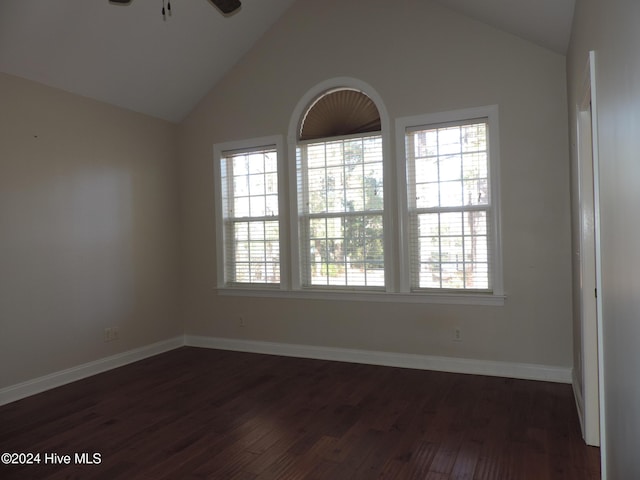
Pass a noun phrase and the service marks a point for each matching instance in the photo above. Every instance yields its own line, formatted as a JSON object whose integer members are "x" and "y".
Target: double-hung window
{"x": 340, "y": 202}
{"x": 341, "y": 207}
{"x": 452, "y": 209}
{"x": 249, "y": 209}
{"x": 343, "y": 218}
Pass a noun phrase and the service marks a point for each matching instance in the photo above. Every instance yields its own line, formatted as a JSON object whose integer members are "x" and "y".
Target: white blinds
{"x": 250, "y": 215}
{"x": 340, "y": 196}
{"x": 449, "y": 205}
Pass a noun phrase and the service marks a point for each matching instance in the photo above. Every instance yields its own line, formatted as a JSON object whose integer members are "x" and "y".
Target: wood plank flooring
{"x": 193, "y": 414}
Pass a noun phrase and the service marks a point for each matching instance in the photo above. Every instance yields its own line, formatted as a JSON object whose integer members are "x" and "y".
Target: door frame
{"x": 591, "y": 293}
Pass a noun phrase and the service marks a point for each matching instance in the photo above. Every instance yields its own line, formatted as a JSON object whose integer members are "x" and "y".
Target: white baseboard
{"x": 422, "y": 362}
{"x": 57, "y": 379}
{"x": 577, "y": 395}
{"x": 404, "y": 360}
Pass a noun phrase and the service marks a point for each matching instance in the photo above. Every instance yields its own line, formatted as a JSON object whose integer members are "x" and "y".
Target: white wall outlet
{"x": 457, "y": 334}
{"x": 111, "y": 334}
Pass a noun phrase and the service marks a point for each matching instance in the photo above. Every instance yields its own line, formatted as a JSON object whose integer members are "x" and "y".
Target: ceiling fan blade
{"x": 227, "y": 6}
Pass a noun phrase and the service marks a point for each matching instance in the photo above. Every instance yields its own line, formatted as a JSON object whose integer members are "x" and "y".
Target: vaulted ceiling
{"x": 132, "y": 57}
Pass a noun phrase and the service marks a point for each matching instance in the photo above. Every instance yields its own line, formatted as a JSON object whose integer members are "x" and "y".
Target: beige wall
{"x": 88, "y": 230}
{"x": 420, "y": 58}
{"x": 610, "y": 28}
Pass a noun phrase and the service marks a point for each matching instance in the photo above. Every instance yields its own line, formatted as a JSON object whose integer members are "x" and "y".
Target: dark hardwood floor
{"x": 205, "y": 414}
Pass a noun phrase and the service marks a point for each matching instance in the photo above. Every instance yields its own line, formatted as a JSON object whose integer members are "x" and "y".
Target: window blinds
{"x": 250, "y": 215}
{"x": 340, "y": 185}
{"x": 449, "y": 205}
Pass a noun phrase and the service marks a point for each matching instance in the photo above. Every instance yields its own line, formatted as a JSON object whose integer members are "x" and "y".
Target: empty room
{"x": 294, "y": 239}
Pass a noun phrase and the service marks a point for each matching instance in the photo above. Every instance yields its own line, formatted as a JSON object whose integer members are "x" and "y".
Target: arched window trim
{"x": 396, "y": 221}
{"x": 391, "y": 220}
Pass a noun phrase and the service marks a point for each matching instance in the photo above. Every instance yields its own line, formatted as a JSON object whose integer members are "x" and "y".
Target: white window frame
{"x": 396, "y": 219}
{"x": 389, "y": 179}
{"x": 305, "y": 217}
{"x": 220, "y": 150}
{"x": 434, "y": 119}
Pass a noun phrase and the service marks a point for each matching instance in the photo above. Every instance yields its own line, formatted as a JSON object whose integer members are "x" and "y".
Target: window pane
{"x": 271, "y": 183}
{"x": 427, "y": 195}
{"x": 257, "y": 207}
{"x": 334, "y": 153}
{"x": 242, "y": 273}
{"x": 355, "y": 200}
{"x": 270, "y": 162}
{"x": 451, "y": 249}
{"x": 241, "y": 207}
{"x": 256, "y": 184}
{"x": 429, "y": 224}
{"x": 256, "y": 231}
{"x": 334, "y": 227}
{"x": 241, "y": 252}
{"x": 353, "y": 153}
{"x": 476, "y": 192}
{"x": 252, "y": 251}
{"x": 450, "y": 194}
{"x": 426, "y": 170}
{"x": 372, "y": 147}
{"x": 344, "y": 245}
{"x": 449, "y": 141}
{"x": 315, "y": 156}
{"x": 475, "y": 165}
{"x": 241, "y": 231}
{"x": 448, "y": 169}
{"x": 271, "y": 205}
{"x": 271, "y": 230}
{"x": 451, "y": 224}
{"x": 430, "y": 249}
{"x": 317, "y": 228}
{"x": 474, "y": 137}
{"x": 241, "y": 185}
{"x": 429, "y": 275}
{"x": 240, "y": 165}
{"x": 256, "y": 163}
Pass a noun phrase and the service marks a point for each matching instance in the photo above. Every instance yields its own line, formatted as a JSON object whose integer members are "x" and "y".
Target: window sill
{"x": 487, "y": 299}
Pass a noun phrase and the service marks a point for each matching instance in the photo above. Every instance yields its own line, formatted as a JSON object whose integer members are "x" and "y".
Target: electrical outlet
{"x": 111, "y": 334}
{"x": 241, "y": 321}
{"x": 457, "y": 334}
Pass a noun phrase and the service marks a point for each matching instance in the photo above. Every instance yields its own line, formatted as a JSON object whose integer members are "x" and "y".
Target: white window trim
{"x": 364, "y": 296}
{"x": 219, "y": 150}
{"x": 491, "y": 113}
{"x": 396, "y": 219}
{"x": 390, "y": 201}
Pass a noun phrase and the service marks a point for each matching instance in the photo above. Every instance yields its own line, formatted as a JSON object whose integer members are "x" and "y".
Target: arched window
{"x": 340, "y": 191}
{"x": 347, "y": 219}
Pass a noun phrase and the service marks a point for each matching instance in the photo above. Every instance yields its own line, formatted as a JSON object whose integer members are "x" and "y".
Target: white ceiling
{"x": 127, "y": 55}
{"x": 545, "y": 22}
